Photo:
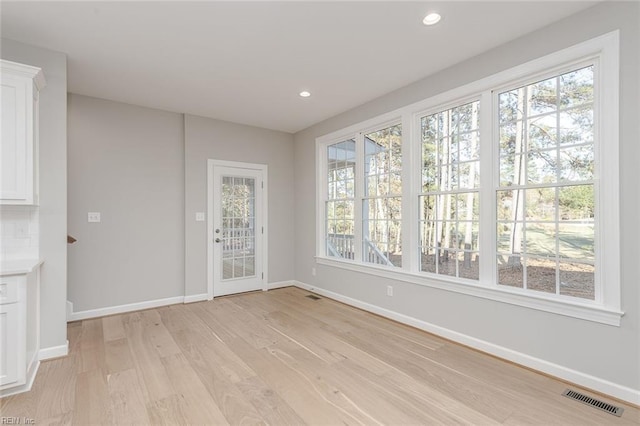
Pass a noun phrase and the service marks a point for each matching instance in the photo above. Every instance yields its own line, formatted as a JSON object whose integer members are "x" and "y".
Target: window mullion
{"x": 359, "y": 198}
{"x": 411, "y": 161}
{"x": 322, "y": 196}
{"x": 489, "y": 178}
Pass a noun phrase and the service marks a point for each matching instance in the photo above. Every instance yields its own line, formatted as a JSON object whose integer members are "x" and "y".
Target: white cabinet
{"x": 19, "y": 144}
{"x": 12, "y": 329}
{"x": 10, "y": 319}
{"x": 19, "y": 331}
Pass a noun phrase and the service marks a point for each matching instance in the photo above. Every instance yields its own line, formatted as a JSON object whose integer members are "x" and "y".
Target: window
{"x": 546, "y": 201}
{"x": 449, "y": 203}
{"x": 495, "y": 189}
{"x": 382, "y": 203}
{"x": 341, "y": 160}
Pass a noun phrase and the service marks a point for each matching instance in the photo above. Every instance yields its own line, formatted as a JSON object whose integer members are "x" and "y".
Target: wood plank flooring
{"x": 281, "y": 358}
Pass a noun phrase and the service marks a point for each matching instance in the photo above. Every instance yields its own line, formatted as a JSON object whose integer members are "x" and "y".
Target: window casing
{"x": 501, "y": 187}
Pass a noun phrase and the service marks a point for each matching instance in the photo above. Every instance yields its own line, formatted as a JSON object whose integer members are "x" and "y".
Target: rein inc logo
{"x": 17, "y": 421}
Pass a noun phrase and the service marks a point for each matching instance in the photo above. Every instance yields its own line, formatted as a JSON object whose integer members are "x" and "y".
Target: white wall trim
{"x": 196, "y": 298}
{"x": 582, "y": 379}
{"x": 280, "y": 284}
{"x": 53, "y": 352}
{"x": 131, "y": 307}
{"x": 514, "y": 296}
{"x": 31, "y": 377}
{"x": 101, "y": 312}
{"x": 69, "y": 310}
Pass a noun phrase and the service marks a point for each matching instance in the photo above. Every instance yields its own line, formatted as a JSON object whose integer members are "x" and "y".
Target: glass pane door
{"x": 238, "y": 227}
{"x": 238, "y": 195}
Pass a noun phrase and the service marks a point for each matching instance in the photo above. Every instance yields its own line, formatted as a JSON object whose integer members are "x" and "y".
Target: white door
{"x": 236, "y": 228}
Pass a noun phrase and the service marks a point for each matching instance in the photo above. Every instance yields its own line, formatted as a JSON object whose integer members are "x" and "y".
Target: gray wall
{"x": 53, "y": 186}
{"x": 127, "y": 163}
{"x": 145, "y": 171}
{"x": 607, "y": 352}
{"x": 206, "y": 138}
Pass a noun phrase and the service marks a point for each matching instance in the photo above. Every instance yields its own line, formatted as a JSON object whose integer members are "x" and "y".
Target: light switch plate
{"x": 199, "y": 216}
{"x": 93, "y": 217}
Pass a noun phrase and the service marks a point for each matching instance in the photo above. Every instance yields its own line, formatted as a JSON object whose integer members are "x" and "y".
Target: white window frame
{"x": 606, "y": 308}
{"x": 327, "y": 199}
{"x": 554, "y": 72}
{"x": 416, "y": 118}
{"x": 360, "y": 190}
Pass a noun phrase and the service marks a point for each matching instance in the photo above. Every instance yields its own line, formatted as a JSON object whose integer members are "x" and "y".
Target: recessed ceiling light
{"x": 431, "y": 19}
{"x": 305, "y": 94}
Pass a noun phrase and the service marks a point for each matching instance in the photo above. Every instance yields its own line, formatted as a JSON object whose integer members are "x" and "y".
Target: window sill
{"x": 574, "y": 309}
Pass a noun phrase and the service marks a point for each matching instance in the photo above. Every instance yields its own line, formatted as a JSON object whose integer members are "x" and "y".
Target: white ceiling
{"x": 246, "y": 62}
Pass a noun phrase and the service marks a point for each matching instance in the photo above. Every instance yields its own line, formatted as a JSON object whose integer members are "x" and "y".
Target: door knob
{"x": 217, "y": 240}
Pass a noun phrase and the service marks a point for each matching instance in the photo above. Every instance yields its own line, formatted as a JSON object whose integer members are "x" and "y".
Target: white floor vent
{"x": 611, "y": 409}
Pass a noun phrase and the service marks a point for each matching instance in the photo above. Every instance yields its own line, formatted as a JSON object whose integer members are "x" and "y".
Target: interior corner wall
{"x": 608, "y": 354}
{"x": 53, "y": 187}
{"x": 205, "y": 139}
{"x": 126, "y": 162}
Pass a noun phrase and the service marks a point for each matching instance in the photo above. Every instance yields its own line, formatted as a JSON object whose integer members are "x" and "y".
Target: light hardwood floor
{"x": 281, "y": 358}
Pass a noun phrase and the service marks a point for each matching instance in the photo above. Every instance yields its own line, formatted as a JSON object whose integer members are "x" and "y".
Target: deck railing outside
{"x": 343, "y": 246}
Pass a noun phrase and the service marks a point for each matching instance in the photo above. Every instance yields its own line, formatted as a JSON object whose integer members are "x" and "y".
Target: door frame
{"x": 263, "y": 168}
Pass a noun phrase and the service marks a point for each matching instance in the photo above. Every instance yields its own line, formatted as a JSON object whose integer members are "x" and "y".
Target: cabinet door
{"x": 16, "y": 155}
{"x": 9, "y": 343}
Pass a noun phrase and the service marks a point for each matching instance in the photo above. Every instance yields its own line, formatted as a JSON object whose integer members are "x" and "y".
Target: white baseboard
{"x": 131, "y": 307}
{"x": 31, "y": 376}
{"x": 101, "y": 312}
{"x": 69, "y": 310}
{"x": 280, "y": 284}
{"x": 53, "y": 352}
{"x": 34, "y": 365}
{"x": 196, "y": 298}
{"x": 582, "y": 379}
{"x": 31, "y": 373}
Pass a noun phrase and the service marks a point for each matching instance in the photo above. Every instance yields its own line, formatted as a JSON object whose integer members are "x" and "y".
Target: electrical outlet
{"x": 93, "y": 217}
{"x": 389, "y": 290}
{"x": 199, "y": 216}
{"x": 313, "y": 271}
